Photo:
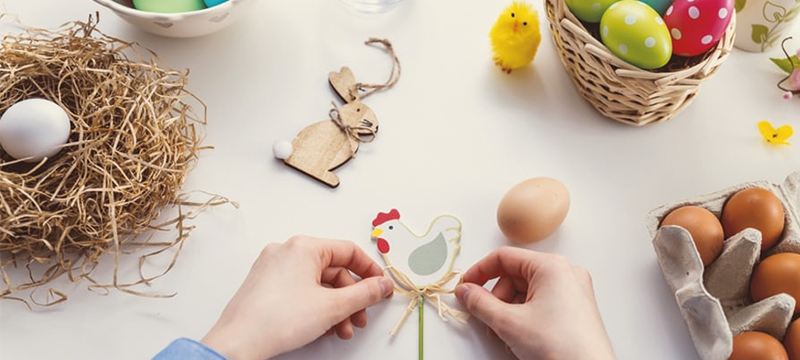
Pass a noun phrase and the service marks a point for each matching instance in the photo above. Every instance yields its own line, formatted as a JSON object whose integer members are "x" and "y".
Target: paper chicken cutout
{"x": 420, "y": 265}
{"x": 424, "y": 259}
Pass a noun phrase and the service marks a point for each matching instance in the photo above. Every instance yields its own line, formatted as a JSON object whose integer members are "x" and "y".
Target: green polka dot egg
{"x": 636, "y": 33}
{"x": 589, "y": 10}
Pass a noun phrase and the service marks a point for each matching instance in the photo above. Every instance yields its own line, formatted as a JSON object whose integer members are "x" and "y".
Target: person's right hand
{"x": 542, "y": 307}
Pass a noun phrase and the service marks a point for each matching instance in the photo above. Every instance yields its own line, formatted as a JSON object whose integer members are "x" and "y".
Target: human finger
{"x": 521, "y": 285}
{"x": 344, "y": 329}
{"x": 359, "y": 296}
{"x": 585, "y": 280}
{"x": 330, "y": 275}
{"x": 519, "y": 298}
{"x": 338, "y": 278}
{"x": 346, "y": 254}
{"x": 483, "y": 305}
{"x": 491, "y": 334}
{"x": 504, "y": 289}
{"x": 507, "y": 261}
{"x": 359, "y": 319}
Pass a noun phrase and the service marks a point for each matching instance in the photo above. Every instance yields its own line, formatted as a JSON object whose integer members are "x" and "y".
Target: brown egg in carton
{"x": 715, "y": 300}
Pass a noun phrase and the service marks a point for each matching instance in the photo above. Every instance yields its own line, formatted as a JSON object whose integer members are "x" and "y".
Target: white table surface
{"x": 455, "y": 134}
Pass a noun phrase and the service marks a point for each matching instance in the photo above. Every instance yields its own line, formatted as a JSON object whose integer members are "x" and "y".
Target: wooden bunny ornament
{"x": 326, "y": 145}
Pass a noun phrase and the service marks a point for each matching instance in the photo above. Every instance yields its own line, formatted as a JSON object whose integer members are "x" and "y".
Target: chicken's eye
{"x": 512, "y": 14}
{"x": 391, "y": 227}
{"x": 525, "y": 23}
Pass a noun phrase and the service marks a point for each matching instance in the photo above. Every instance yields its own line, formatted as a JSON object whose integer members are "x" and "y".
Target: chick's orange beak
{"x": 516, "y": 25}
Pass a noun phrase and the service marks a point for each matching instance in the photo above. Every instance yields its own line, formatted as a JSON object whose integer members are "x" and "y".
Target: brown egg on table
{"x": 533, "y": 209}
{"x": 779, "y": 273}
{"x": 792, "y": 340}
{"x": 705, "y": 228}
{"x": 755, "y": 208}
{"x": 757, "y": 346}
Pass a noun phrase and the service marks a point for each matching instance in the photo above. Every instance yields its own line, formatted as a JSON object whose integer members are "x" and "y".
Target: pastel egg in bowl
{"x": 181, "y": 24}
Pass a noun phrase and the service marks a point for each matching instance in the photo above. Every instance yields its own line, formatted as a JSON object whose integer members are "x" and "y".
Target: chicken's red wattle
{"x": 383, "y": 246}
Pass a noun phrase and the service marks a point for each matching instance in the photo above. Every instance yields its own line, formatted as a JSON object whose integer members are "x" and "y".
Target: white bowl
{"x": 184, "y": 24}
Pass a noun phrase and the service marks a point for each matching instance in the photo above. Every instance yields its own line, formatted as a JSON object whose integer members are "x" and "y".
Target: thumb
{"x": 362, "y": 294}
{"x": 481, "y": 303}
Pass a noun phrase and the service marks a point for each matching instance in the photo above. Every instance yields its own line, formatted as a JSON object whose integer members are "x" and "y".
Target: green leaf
{"x": 759, "y": 33}
{"x": 739, "y": 5}
{"x": 785, "y": 64}
{"x": 773, "y": 13}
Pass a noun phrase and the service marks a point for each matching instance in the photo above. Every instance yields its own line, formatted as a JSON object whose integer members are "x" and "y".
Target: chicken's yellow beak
{"x": 377, "y": 232}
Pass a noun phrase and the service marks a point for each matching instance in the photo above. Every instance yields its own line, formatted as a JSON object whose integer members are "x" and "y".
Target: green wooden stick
{"x": 421, "y": 319}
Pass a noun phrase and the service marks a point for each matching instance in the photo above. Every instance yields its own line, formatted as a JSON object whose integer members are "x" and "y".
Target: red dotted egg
{"x": 697, "y": 25}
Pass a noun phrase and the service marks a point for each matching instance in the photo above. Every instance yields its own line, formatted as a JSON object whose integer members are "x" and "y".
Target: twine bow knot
{"x": 432, "y": 292}
{"x": 362, "y": 134}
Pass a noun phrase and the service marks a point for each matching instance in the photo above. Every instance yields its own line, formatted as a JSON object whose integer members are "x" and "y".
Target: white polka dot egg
{"x": 589, "y": 10}
{"x": 636, "y": 33}
{"x": 697, "y": 25}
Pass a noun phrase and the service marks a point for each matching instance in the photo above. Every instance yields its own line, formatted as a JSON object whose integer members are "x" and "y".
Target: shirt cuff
{"x": 184, "y": 348}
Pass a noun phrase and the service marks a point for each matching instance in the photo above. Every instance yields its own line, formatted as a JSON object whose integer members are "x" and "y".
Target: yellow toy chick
{"x": 515, "y": 37}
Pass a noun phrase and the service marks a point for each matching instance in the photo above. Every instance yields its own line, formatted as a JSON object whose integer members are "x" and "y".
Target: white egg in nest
{"x": 33, "y": 129}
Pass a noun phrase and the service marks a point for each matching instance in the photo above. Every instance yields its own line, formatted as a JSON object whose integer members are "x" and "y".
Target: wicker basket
{"x": 621, "y": 91}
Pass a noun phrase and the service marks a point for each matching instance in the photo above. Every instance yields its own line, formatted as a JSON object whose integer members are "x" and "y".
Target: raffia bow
{"x": 432, "y": 292}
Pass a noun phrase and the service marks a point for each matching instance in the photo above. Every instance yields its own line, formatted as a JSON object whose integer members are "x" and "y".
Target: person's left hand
{"x": 295, "y": 293}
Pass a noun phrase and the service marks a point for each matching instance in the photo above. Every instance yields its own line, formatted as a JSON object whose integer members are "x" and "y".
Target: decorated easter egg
{"x": 171, "y": 6}
{"x": 637, "y": 34}
{"x": 33, "y": 129}
{"x": 212, "y": 3}
{"x": 697, "y": 25}
{"x": 589, "y": 10}
{"x": 659, "y": 6}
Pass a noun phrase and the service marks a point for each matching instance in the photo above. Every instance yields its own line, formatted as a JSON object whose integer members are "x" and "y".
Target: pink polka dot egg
{"x": 697, "y": 25}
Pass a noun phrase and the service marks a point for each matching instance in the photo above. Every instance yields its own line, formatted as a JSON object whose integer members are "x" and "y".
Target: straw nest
{"x": 134, "y": 137}
{"x": 621, "y": 91}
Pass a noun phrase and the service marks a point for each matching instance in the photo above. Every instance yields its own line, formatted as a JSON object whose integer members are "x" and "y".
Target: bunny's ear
{"x": 343, "y": 82}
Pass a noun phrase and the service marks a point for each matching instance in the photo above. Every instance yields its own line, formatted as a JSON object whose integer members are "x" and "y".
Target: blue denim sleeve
{"x": 187, "y": 349}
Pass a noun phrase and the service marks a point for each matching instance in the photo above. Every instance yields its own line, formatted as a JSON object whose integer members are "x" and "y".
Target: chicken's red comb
{"x": 384, "y": 217}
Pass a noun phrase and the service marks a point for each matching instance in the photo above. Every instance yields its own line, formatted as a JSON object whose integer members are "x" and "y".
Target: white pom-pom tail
{"x": 282, "y": 149}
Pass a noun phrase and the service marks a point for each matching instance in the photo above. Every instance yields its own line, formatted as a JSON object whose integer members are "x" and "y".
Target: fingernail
{"x": 387, "y": 287}
{"x": 461, "y": 292}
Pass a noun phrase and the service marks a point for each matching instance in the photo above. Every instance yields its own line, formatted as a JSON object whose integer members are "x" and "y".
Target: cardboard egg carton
{"x": 715, "y": 300}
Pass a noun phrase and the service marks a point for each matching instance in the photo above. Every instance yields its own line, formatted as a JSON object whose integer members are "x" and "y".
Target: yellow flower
{"x": 775, "y": 136}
